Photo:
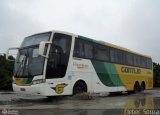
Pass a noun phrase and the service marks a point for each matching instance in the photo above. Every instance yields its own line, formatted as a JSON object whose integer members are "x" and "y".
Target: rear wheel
{"x": 143, "y": 86}
{"x": 79, "y": 87}
{"x": 137, "y": 87}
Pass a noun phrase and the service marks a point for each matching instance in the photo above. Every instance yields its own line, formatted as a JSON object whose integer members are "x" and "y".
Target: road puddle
{"x": 82, "y": 104}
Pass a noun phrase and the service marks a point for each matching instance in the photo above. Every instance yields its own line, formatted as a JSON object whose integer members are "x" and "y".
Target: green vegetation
{"x": 6, "y": 73}
{"x": 156, "y": 71}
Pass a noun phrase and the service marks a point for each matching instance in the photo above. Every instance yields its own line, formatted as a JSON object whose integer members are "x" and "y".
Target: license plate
{"x": 22, "y": 89}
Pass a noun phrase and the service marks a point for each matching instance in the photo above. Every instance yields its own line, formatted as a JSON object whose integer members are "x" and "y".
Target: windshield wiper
{"x": 19, "y": 67}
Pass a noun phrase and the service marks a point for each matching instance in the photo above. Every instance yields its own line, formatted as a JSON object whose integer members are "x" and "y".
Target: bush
{"x": 6, "y": 73}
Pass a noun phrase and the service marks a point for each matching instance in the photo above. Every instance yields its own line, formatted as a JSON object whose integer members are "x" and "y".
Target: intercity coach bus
{"x": 59, "y": 63}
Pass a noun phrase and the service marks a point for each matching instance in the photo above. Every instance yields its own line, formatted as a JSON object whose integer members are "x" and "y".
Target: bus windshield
{"x": 28, "y": 63}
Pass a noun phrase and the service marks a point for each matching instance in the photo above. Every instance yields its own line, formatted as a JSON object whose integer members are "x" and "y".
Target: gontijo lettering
{"x": 131, "y": 70}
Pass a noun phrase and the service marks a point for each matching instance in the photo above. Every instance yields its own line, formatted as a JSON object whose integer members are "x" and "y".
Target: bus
{"x": 60, "y": 63}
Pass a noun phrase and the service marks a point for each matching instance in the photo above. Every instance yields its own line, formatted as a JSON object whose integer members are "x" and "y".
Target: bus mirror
{"x": 42, "y": 48}
{"x": 10, "y": 54}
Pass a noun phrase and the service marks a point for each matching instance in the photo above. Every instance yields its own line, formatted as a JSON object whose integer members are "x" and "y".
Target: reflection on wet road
{"x": 149, "y": 99}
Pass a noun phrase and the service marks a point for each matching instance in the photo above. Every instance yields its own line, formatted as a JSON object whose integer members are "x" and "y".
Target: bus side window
{"x": 137, "y": 61}
{"x": 116, "y": 56}
{"x": 119, "y": 56}
{"x": 129, "y": 59}
{"x": 78, "y": 48}
{"x": 149, "y": 63}
{"x": 112, "y": 55}
{"x": 88, "y": 50}
{"x": 83, "y": 49}
{"x": 101, "y": 52}
{"x": 143, "y": 62}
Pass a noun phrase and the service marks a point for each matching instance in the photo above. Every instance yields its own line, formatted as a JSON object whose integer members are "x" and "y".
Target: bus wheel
{"x": 143, "y": 86}
{"x": 79, "y": 87}
{"x": 137, "y": 87}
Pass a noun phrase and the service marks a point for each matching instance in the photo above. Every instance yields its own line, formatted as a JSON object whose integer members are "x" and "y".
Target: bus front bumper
{"x": 42, "y": 89}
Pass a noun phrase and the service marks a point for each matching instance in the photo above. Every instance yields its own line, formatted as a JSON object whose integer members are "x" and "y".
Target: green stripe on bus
{"x": 107, "y": 73}
{"x": 27, "y": 80}
{"x": 113, "y": 74}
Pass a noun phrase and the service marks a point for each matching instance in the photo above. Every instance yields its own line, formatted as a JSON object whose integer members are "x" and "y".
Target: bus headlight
{"x": 39, "y": 81}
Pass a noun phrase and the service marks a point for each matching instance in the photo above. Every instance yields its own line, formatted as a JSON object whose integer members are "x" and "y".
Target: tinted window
{"x": 91, "y": 50}
{"x": 149, "y": 63}
{"x": 129, "y": 58}
{"x": 78, "y": 48}
{"x": 58, "y": 56}
{"x": 112, "y": 56}
{"x": 143, "y": 62}
{"x": 88, "y": 50}
{"x": 101, "y": 52}
{"x": 119, "y": 56}
{"x": 83, "y": 49}
{"x": 137, "y": 61}
{"x": 35, "y": 39}
{"x": 116, "y": 55}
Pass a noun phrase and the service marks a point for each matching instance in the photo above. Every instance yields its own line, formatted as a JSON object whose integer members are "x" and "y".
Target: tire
{"x": 143, "y": 86}
{"x": 137, "y": 87}
{"x": 79, "y": 87}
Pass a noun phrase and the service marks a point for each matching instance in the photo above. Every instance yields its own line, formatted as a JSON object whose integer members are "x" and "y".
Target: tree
{"x": 6, "y": 72}
{"x": 156, "y": 71}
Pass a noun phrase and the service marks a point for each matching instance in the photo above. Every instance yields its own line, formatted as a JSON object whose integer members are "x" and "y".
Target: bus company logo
{"x": 80, "y": 66}
{"x": 60, "y": 88}
{"x": 130, "y": 70}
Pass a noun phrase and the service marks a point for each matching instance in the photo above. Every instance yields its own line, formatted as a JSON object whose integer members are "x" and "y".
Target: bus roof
{"x": 123, "y": 48}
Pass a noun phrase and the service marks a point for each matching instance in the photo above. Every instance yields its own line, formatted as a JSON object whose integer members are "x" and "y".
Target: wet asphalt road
{"x": 124, "y": 103}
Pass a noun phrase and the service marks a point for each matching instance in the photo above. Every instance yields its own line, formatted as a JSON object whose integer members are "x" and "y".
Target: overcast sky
{"x": 134, "y": 24}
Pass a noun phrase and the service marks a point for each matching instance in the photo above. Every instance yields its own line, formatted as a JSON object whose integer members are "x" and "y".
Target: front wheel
{"x": 79, "y": 87}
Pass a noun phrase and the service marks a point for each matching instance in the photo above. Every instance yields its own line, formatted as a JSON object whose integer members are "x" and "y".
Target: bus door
{"x": 58, "y": 56}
